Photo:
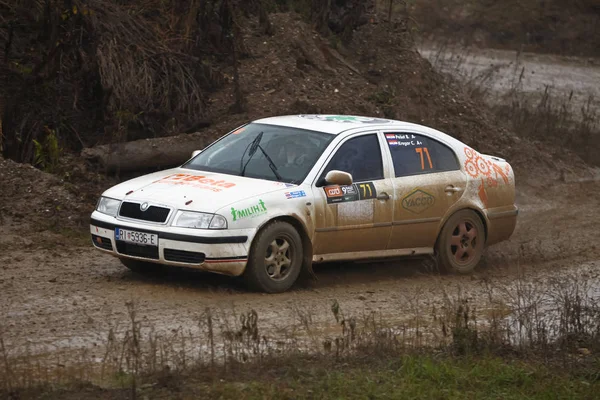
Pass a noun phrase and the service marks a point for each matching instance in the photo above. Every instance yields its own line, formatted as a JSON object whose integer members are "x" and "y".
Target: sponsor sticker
{"x": 197, "y": 181}
{"x": 249, "y": 212}
{"x": 345, "y": 118}
{"x": 295, "y": 195}
{"x": 418, "y": 201}
{"x": 403, "y": 140}
{"x": 357, "y": 191}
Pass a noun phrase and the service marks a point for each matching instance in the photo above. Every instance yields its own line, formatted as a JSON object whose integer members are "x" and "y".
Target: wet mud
{"x": 61, "y": 297}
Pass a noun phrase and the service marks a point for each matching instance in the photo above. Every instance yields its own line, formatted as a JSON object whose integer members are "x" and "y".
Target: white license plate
{"x": 147, "y": 239}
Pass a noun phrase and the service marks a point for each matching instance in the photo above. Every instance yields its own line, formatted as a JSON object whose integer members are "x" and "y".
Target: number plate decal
{"x": 141, "y": 238}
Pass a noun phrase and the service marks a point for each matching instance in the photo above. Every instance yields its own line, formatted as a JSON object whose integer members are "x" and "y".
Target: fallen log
{"x": 144, "y": 154}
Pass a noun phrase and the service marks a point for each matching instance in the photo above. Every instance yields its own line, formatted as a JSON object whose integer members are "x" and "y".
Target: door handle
{"x": 383, "y": 196}
{"x": 452, "y": 189}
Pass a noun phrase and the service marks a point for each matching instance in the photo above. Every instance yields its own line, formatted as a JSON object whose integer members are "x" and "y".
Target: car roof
{"x": 336, "y": 124}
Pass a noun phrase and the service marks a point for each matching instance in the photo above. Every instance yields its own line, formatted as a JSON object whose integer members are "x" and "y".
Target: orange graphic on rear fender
{"x": 490, "y": 173}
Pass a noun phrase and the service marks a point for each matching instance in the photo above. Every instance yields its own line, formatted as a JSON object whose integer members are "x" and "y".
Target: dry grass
{"x": 134, "y": 69}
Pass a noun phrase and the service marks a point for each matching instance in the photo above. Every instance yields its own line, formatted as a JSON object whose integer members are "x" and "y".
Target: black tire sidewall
{"x": 443, "y": 252}
{"x": 256, "y": 273}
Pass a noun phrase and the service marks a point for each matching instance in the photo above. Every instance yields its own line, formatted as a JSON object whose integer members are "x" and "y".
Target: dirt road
{"x": 61, "y": 297}
{"x": 500, "y": 71}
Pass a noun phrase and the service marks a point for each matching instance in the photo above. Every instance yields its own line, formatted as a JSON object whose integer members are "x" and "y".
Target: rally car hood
{"x": 192, "y": 190}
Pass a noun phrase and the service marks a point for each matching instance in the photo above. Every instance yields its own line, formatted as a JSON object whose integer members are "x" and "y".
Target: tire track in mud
{"x": 61, "y": 299}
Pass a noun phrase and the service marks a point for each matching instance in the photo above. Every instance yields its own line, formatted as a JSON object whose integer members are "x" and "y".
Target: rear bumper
{"x": 501, "y": 223}
{"x": 223, "y": 251}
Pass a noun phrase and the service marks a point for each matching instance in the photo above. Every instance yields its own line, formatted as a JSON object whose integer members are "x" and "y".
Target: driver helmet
{"x": 294, "y": 153}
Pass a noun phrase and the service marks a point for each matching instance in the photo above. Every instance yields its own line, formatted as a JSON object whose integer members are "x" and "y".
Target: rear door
{"x": 427, "y": 181}
{"x": 355, "y": 218}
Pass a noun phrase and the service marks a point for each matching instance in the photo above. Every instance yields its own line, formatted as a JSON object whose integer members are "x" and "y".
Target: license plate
{"x": 146, "y": 239}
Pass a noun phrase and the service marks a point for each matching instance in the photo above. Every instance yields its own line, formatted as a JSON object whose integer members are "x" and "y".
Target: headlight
{"x": 218, "y": 222}
{"x": 108, "y": 206}
{"x": 198, "y": 220}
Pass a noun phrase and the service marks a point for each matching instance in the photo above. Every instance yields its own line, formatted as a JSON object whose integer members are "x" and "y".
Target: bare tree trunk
{"x": 1, "y": 116}
{"x": 144, "y": 154}
{"x": 263, "y": 18}
{"x": 320, "y": 14}
{"x": 240, "y": 102}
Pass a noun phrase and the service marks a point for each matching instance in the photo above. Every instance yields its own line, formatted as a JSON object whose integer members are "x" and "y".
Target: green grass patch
{"x": 411, "y": 377}
{"x": 422, "y": 376}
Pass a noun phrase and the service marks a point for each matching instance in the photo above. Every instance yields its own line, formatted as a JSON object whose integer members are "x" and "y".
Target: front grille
{"x": 182, "y": 256}
{"x": 102, "y": 242}
{"x": 137, "y": 250}
{"x": 152, "y": 214}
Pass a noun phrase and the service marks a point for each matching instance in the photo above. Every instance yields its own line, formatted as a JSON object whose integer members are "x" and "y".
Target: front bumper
{"x": 220, "y": 251}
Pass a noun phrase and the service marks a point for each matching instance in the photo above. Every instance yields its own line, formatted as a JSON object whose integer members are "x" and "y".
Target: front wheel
{"x": 275, "y": 258}
{"x": 460, "y": 243}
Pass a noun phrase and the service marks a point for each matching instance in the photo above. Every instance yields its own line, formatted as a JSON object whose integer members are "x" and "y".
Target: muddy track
{"x": 503, "y": 71}
{"x": 60, "y": 296}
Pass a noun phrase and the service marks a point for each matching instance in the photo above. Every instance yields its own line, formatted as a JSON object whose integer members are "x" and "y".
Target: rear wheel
{"x": 460, "y": 244}
{"x": 275, "y": 258}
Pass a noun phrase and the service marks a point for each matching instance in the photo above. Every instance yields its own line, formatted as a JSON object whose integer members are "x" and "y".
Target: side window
{"x": 416, "y": 154}
{"x": 361, "y": 157}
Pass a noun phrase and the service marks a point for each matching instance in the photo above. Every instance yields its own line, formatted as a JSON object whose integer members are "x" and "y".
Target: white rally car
{"x": 273, "y": 197}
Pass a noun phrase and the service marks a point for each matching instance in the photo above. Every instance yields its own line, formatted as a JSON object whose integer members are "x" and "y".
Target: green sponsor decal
{"x": 249, "y": 212}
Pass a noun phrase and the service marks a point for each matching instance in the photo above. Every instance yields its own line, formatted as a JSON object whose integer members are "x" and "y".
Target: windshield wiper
{"x": 255, "y": 145}
{"x": 271, "y": 164}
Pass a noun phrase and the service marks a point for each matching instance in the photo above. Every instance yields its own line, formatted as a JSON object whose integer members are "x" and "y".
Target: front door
{"x": 428, "y": 182}
{"x": 354, "y": 218}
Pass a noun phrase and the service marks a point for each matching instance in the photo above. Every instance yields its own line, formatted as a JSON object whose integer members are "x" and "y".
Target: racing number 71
{"x": 420, "y": 150}
{"x": 366, "y": 187}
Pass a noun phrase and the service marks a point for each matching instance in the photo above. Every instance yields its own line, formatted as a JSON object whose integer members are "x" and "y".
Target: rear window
{"x": 414, "y": 154}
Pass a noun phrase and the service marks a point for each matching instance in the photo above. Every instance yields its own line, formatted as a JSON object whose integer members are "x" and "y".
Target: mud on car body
{"x": 279, "y": 194}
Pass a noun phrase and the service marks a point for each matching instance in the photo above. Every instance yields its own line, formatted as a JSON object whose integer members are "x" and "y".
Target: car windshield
{"x": 270, "y": 152}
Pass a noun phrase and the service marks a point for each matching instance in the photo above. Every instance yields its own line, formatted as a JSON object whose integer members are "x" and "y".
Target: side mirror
{"x": 336, "y": 177}
{"x": 196, "y": 152}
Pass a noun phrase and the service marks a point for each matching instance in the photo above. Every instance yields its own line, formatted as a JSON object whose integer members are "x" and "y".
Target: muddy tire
{"x": 460, "y": 244}
{"x": 141, "y": 267}
{"x": 275, "y": 258}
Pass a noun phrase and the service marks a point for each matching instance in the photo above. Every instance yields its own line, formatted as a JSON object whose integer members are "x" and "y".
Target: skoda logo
{"x": 144, "y": 206}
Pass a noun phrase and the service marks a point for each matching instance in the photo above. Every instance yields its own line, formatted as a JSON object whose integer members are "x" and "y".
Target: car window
{"x": 359, "y": 156}
{"x": 414, "y": 154}
{"x": 280, "y": 153}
